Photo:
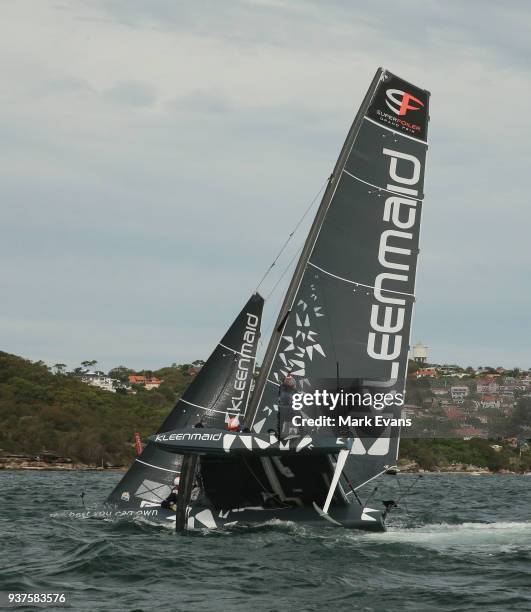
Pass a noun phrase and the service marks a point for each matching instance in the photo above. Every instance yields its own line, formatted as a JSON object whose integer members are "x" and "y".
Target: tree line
{"x": 48, "y": 409}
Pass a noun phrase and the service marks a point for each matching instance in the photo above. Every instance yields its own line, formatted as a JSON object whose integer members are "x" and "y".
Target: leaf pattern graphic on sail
{"x": 301, "y": 347}
{"x": 301, "y": 344}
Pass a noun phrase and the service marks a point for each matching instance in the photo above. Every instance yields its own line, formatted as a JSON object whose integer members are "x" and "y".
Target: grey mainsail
{"x": 219, "y": 391}
{"x": 347, "y": 312}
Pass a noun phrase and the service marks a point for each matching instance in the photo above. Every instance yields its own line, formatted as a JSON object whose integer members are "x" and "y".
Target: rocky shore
{"x": 47, "y": 461}
{"x": 454, "y": 468}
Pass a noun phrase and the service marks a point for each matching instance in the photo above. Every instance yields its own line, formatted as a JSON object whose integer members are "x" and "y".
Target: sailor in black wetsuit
{"x": 286, "y": 391}
{"x": 170, "y": 502}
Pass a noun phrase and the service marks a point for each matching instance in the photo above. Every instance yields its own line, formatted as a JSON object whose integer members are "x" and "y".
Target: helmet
{"x": 233, "y": 424}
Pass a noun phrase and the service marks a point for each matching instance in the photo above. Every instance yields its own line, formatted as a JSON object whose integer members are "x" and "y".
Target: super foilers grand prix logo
{"x": 401, "y": 102}
{"x": 401, "y": 106}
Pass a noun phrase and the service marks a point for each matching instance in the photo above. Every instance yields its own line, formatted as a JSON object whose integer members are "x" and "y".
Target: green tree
{"x": 89, "y": 363}
{"x": 121, "y": 373}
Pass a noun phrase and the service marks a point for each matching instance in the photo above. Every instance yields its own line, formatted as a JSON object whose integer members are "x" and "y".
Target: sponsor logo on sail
{"x": 396, "y": 258}
{"x": 245, "y": 365}
{"x": 400, "y": 102}
{"x": 187, "y": 436}
{"x": 401, "y": 108}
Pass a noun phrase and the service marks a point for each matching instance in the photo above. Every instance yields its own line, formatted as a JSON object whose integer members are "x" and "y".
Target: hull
{"x": 200, "y": 518}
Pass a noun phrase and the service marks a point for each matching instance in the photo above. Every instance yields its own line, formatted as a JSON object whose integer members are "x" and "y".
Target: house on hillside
{"x": 512, "y": 442}
{"x": 459, "y": 392}
{"x": 410, "y": 411}
{"x": 426, "y": 373}
{"x": 507, "y": 390}
{"x": 490, "y": 401}
{"x": 453, "y": 413}
{"x": 148, "y": 382}
{"x": 100, "y": 380}
{"x": 486, "y": 385}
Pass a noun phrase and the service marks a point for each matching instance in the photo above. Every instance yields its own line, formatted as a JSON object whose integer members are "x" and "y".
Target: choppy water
{"x": 465, "y": 544}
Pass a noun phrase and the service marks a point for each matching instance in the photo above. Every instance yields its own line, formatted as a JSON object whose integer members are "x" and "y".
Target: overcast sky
{"x": 156, "y": 153}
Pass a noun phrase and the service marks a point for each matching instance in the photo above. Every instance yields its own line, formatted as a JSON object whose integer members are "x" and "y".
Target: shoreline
{"x": 56, "y": 468}
{"x": 55, "y": 463}
{"x": 79, "y": 467}
{"x": 39, "y": 465}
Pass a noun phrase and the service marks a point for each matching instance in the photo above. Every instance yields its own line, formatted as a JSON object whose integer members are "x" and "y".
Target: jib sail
{"x": 218, "y": 392}
{"x": 347, "y": 313}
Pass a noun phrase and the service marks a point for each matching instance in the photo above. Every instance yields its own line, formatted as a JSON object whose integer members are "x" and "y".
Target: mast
{"x": 306, "y": 253}
{"x": 186, "y": 483}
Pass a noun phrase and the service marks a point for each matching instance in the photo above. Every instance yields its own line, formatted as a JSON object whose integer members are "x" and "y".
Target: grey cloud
{"x": 443, "y": 27}
{"x": 131, "y": 206}
{"x": 132, "y": 93}
{"x": 64, "y": 85}
{"x": 209, "y": 102}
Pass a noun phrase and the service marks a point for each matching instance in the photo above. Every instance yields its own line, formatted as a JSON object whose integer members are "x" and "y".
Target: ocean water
{"x": 462, "y": 542}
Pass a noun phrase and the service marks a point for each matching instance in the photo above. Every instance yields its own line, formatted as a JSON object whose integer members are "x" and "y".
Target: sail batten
{"x": 353, "y": 282}
{"x": 396, "y": 193}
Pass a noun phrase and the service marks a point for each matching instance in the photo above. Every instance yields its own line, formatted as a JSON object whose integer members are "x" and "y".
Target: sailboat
{"x": 230, "y": 449}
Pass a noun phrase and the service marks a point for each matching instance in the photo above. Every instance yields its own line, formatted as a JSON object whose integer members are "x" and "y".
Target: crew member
{"x": 287, "y": 389}
{"x": 233, "y": 424}
{"x": 170, "y": 503}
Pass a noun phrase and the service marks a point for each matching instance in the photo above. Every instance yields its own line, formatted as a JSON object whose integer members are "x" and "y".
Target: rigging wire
{"x": 295, "y": 255}
{"x": 286, "y": 242}
{"x": 409, "y": 489}
{"x": 277, "y": 305}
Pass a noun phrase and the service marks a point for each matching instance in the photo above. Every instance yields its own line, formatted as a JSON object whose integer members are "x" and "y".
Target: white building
{"x": 487, "y": 385}
{"x": 490, "y": 401}
{"x": 420, "y": 353}
{"x": 99, "y": 379}
{"x": 458, "y": 393}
